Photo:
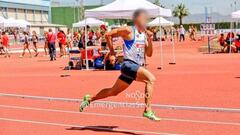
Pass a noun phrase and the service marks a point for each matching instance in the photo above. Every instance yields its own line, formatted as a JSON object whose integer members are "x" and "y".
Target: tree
{"x": 180, "y": 11}
{"x": 157, "y": 2}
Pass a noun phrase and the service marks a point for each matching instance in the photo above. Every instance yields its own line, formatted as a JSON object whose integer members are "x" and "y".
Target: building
{"x": 37, "y": 12}
{"x": 34, "y": 11}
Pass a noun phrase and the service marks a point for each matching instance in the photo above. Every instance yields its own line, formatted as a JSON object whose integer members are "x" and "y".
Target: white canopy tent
{"x": 10, "y": 23}
{"x": 14, "y": 23}
{"x": 2, "y": 20}
{"x": 160, "y": 21}
{"x": 89, "y": 21}
{"x": 23, "y": 23}
{"x": 236, "y": 15}
{"x": 124, "y": 9}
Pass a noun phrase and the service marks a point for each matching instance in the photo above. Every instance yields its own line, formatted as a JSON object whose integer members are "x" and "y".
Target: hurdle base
{"x": 172, "y": 63}
{"x": 159, "y": 68}
{"x": 65, "y": 75}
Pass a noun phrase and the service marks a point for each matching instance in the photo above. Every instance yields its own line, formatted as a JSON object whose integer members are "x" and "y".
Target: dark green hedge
{"x": 222, "y": 25}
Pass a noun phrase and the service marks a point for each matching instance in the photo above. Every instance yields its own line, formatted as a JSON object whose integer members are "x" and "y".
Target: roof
{"x": 124, "y": 9}
{"x": 29, "y": 2}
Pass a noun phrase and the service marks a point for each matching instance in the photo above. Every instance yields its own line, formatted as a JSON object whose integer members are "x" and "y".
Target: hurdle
{"x": 157, "y": 106}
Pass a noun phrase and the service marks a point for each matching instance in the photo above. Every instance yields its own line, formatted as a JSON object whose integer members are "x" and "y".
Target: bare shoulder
{"x": 126, "y": 29}
{"x": 125, "y": 32}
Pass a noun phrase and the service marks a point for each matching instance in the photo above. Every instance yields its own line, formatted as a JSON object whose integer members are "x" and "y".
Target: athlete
{"x": 137, "y": 44}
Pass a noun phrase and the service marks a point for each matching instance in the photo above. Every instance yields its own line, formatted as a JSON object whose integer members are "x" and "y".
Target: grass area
{"x": 67, "y": 15}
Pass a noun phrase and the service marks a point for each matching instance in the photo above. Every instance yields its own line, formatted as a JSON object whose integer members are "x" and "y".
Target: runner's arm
{"x": 149, "y": 47}
{"x": 123, "y": 32}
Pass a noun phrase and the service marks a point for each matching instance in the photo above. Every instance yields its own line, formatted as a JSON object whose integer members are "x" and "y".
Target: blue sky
{"x": 195, "y": 6}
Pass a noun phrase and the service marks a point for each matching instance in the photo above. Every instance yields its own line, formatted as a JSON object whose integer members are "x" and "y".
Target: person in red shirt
{"x": 237, "y": 44}
{"x": 62, "y": 42}
{"x": 51, "y": 39}
{"x": 222, "y": 43}
{"x": 5, "y": 43}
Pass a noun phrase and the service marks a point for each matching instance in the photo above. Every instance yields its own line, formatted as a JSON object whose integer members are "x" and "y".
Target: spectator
{"x": 103, "y": 29}
{"x": 177, "y": 33}
{"x": 76, "y": 38}
{"x": 46, "y": 44}
{"x": 35, "y": 41}
{"x": 237, "y": 43}
{"x": 62, "y": 42}
{"x": 110, "y": 62}
{"x": 51, "y": 44}
{"x": 25, "y": 44}
{"x": 69, "y": 40}
{"x": 5, "y": 43}
{"x": 165, "y": 34}
{"x": 1, "y": 46}
{"x": 193, "y": 33}
{"x": 222, "y": 43}
{"x": 230, "y": 40}
{"x": 182, "y": 33}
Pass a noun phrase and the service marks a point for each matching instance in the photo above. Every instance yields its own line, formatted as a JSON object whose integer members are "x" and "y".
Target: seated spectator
{"x": 230, "y": 38}
{"x": 237, "y": 44}
{"x": 223, "y": 44}
{"x": 110, "y": 62}
{"x": 230, "y": 41}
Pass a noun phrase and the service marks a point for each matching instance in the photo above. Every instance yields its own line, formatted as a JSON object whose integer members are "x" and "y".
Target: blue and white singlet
{"x": 135, "y": 49}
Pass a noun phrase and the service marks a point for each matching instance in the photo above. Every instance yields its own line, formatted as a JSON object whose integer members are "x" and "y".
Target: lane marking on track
{"x": 159, "y": 106}
{"x": 86, "y": 127}
{"x": 120, "y": 116}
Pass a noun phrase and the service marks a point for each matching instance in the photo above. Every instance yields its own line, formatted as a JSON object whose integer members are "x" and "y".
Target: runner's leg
{"x": 117, "y": 88}
{"x": 148, "y": 78}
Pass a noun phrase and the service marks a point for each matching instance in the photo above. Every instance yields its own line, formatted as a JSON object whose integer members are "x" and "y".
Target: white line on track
{"x": 86, "y": 127}
{"x": 120, "y": 116}
{"x": 159, "y": 106}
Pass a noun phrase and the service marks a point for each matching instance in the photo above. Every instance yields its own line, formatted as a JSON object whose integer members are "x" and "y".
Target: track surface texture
{"x": 197, "y": 80}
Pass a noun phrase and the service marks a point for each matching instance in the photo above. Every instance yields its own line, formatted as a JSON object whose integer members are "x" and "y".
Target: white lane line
{"x": 120, "y": 116}
{"x": 86, "y": 127}
{"x": 111, "y": 103}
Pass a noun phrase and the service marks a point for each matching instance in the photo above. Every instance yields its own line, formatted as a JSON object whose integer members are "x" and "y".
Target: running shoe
{"x": 85, "y": 102}
{"x": 151, "y": 115}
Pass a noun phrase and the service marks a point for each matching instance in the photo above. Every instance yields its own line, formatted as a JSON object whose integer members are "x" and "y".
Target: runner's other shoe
{"x": 151, "y": 115}
{"x": 85, "y": 102}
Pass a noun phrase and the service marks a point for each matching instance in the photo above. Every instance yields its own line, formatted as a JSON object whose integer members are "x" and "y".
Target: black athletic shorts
{"x": 129, "y": 70}
{"x": 104, "y": 44}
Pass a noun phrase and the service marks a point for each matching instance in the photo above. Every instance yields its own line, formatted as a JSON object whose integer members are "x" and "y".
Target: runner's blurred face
{"x": 141, "y": 20}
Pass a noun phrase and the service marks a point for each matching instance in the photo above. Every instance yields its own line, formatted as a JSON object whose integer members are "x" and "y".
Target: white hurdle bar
{"x": 158, "y": 106}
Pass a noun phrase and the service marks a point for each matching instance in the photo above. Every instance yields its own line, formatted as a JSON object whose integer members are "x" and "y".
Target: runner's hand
{"x": 149, "y": 34}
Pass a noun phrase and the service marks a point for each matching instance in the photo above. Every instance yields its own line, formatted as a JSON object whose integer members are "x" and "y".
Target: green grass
{"x": 65, "y": 15}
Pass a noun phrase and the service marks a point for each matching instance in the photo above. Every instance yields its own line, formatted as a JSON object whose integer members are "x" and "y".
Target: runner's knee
{"x": 151, "y": 79}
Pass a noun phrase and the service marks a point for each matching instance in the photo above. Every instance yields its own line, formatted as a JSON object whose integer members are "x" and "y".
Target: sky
{"x": 195, "y": 6}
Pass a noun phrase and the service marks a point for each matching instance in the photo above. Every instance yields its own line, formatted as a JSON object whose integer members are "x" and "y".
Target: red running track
{"x": 196, "y": 80}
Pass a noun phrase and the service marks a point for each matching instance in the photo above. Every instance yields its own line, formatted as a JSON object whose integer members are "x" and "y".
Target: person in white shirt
{"x": 182, "y": 33}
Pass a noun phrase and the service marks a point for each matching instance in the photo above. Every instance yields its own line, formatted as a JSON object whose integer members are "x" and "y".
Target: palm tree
{"x": 157, "y": 2}
{"x": 180, "y": 11}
